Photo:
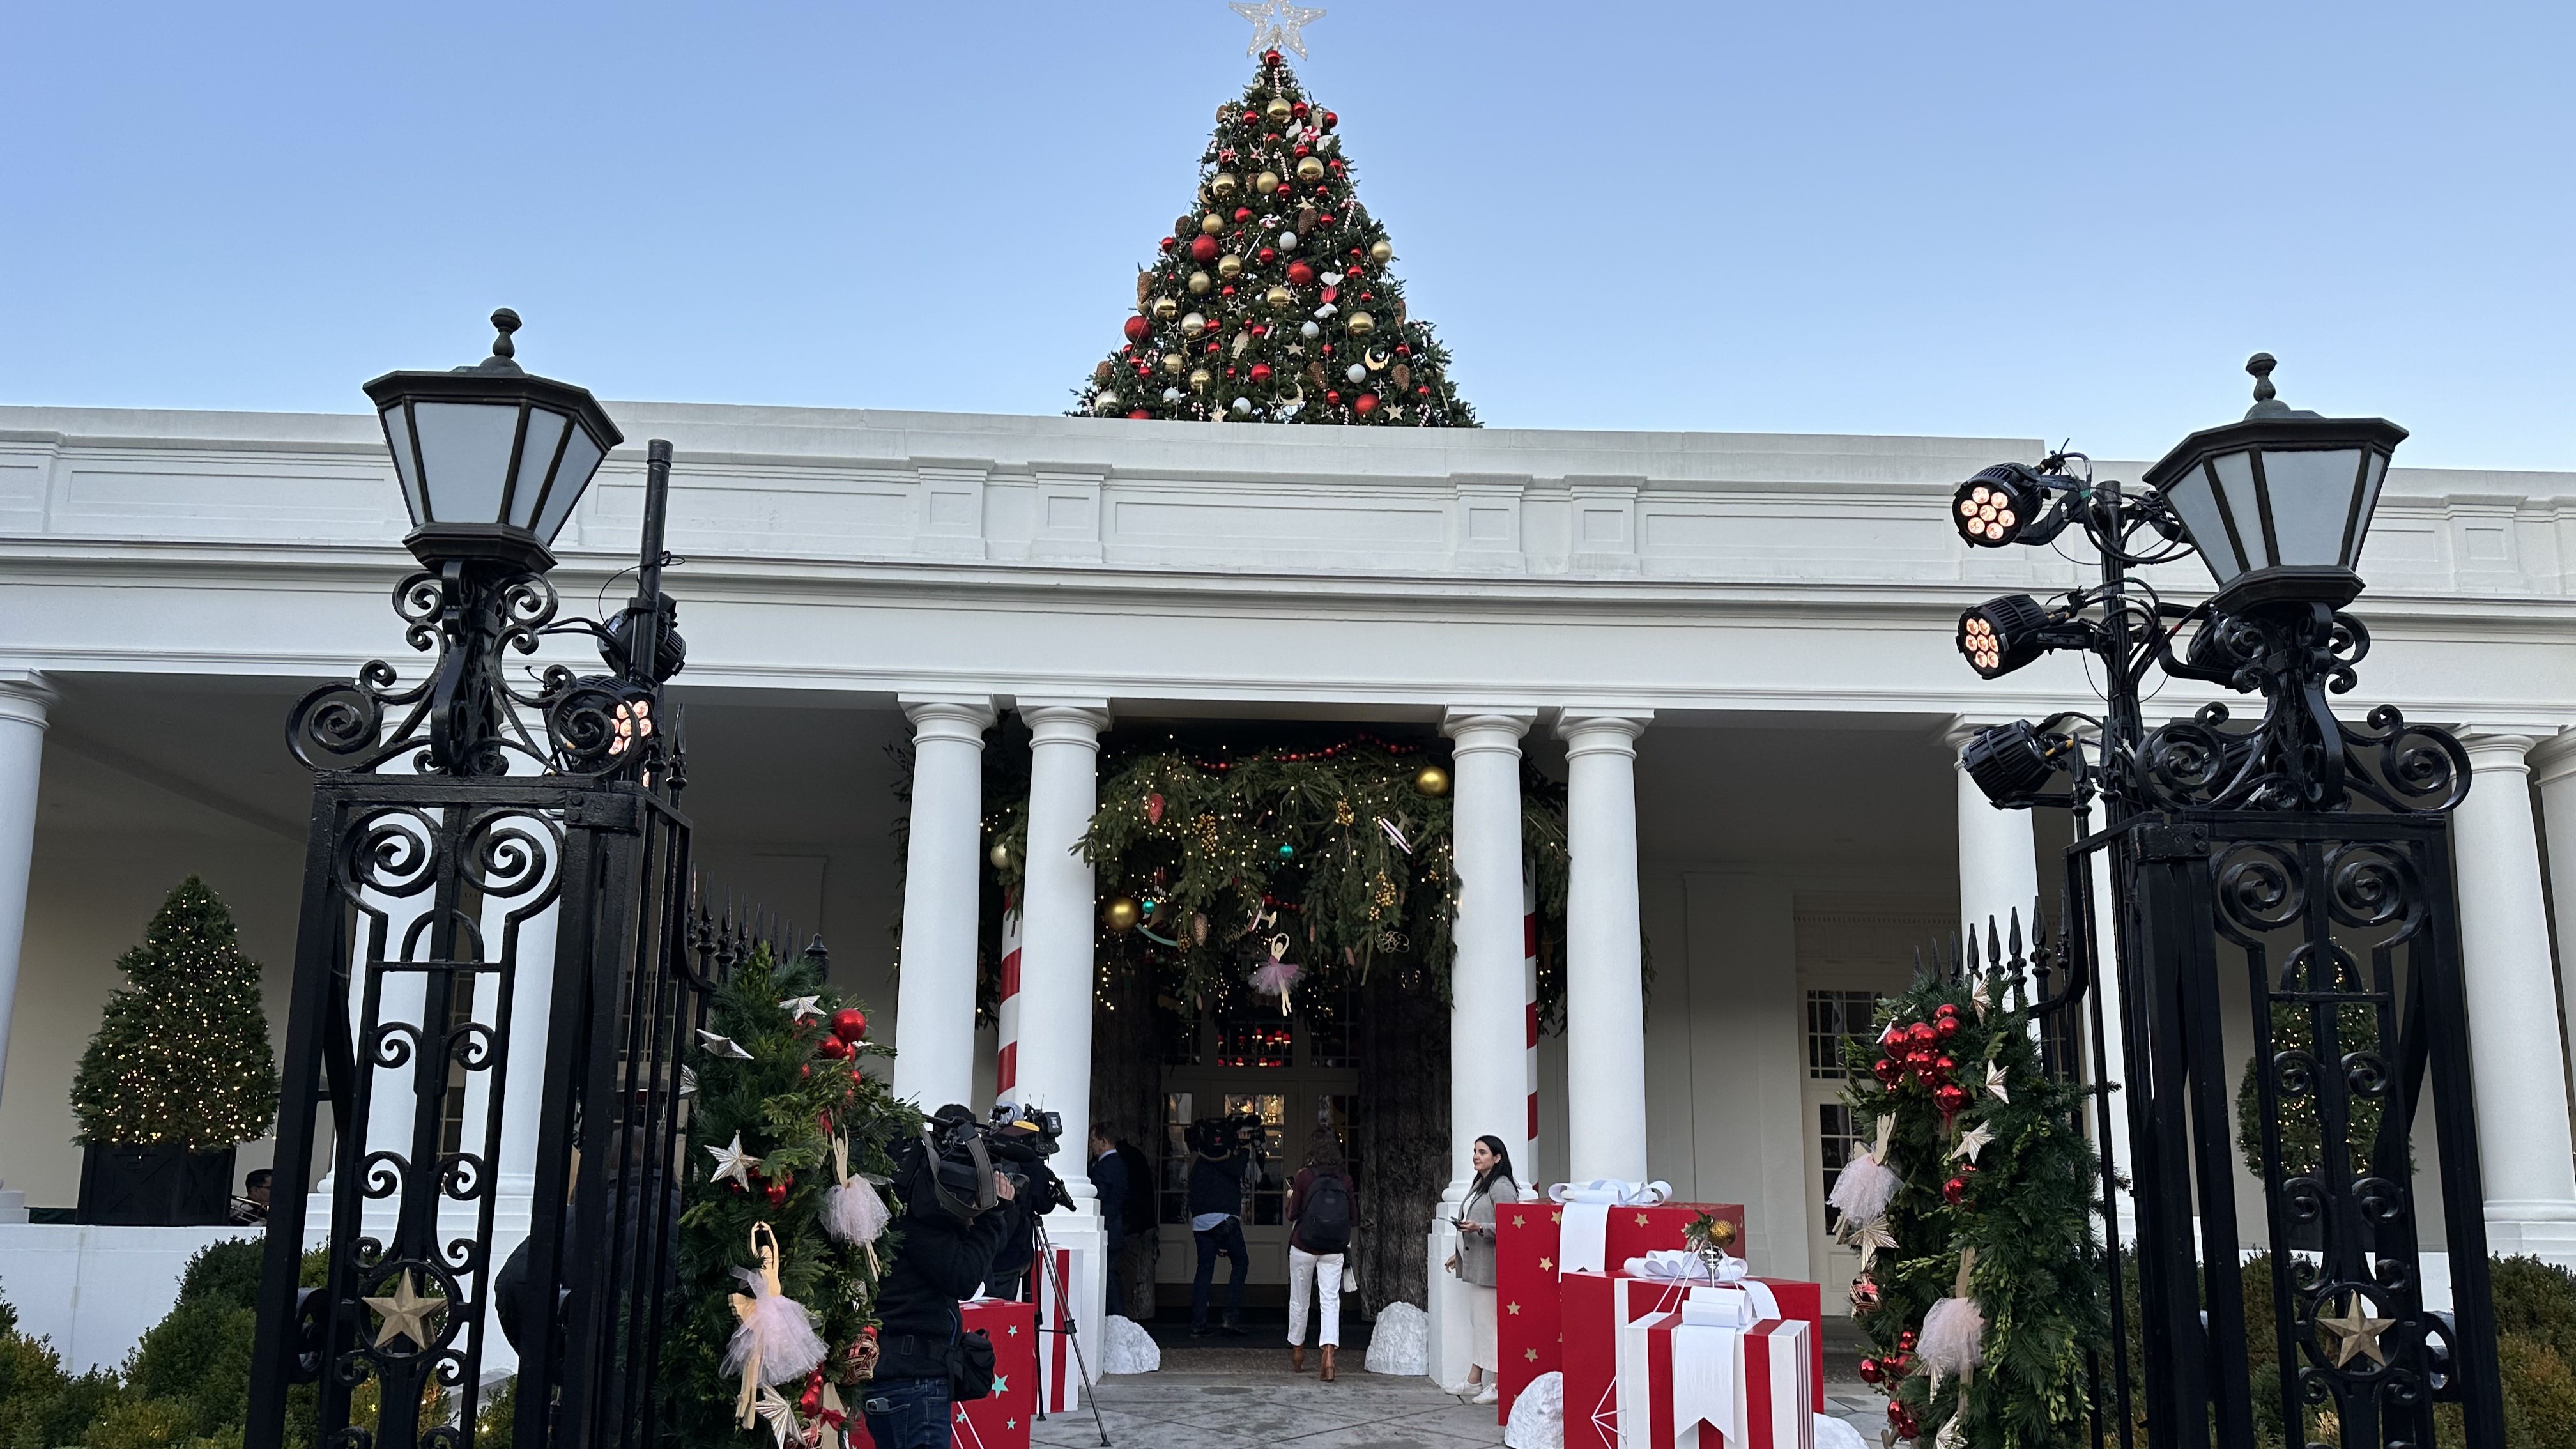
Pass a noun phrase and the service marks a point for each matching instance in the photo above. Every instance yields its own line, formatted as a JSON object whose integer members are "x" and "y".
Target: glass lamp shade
{"x": 2280, "y": 504}
{"x": 491, "y": 459}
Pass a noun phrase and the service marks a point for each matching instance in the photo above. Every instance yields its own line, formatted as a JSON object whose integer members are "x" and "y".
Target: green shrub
{"x": 492, "y": 1422}
{"x": 31, "y": 1376}
{"x": 65, "y": 1417}
{"x": 226, "y": 1272}
{"x": 140, "y": 1423}
{"x": 198, "y": 1356}
{"x": 2536, "y": 1301}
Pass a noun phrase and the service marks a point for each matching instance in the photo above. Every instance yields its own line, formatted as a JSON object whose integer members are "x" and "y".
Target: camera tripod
{"x": 1045, "y": 1280}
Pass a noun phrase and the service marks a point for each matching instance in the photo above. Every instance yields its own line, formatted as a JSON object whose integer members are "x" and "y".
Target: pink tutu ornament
{"x": 1278, "y": 974}
{"x": 776, "y": 1340}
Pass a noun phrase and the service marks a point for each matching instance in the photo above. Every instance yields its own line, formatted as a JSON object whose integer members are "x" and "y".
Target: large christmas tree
{"x": 1271, "y": 300}
{"x": 182, "y": 1055}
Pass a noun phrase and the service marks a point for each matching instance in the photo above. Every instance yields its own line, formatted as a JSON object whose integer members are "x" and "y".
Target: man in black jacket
{"x": 1218, "y": 1174}
{"x": 941, "y": 1259}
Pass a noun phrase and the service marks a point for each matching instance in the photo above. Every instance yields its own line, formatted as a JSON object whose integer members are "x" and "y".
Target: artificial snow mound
{"x": 1833, "y": 1433}
{"x": 1130, "y": 1349}
{"x": 1538, "y": 1415}
{"x": 1397, "y": 1339}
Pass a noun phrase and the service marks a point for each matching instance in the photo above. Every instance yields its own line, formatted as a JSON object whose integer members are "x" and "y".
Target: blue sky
{"x": 2073, "y": 219}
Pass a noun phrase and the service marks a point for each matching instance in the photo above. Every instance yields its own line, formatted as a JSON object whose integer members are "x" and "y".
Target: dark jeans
{"x": 908, "y": 1413}
{"x": 1226, "y": 1239}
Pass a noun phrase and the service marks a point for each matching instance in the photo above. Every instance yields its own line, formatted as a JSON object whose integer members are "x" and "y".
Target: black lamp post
{"x": 556, "y": 795}
{"x": 2310, "y": 854}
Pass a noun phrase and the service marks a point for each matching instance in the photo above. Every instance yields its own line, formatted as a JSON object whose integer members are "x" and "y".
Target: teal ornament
{"x": 1287, "y": 852}
{"x": 1148, "y": 905}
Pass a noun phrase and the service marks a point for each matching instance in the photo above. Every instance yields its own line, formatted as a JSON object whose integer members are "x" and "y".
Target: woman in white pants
{"x": 1320, "y": 1209}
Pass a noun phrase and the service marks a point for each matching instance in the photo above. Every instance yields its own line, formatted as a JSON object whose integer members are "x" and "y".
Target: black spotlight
{"x": 2011, "y": 762}
{"x": 2003, "y": 634}
{"x": 2006, "y": 504}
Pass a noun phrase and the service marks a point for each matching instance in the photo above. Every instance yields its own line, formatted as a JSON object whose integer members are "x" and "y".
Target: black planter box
{"x": 155, "y": 1187}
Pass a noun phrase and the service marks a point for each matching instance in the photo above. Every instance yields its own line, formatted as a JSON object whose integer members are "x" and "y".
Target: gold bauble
{"x": 1280, "y": 298}
{"x": 1000, "y": 855}
{"x": 1266, "y": 183}
{"x": 1165, "y": 309}
{"x": 1199, "y": 283}
{"x": 1229, "y": 268}
{"x": 1121, "y": 914}
{"x": 1211, "y": 224}
{"x": 1431, "y": 780}
{"x": 1378, "y": 358}
{"x": 1173, "y": 362}
{"x": 1199, "y": 379}
{"x": 1310, "y": 169}
{"x": 1193, "y": 324}
{"x": 1224, "y": 186}
{"x": 1361, "y": 324}
{"x": 1279, "y": 109}
{"x": 1380, "y": 252}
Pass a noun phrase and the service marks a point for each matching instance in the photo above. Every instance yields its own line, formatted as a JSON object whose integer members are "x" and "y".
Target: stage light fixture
{"x": 2004, "y": 505}
{"x": 2010, "y": 762}
{"x": 2003, "y": 634}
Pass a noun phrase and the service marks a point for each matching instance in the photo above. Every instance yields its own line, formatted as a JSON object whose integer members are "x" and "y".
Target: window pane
{"x": 2311, "y": 497}
{"x": 466, "y": 448}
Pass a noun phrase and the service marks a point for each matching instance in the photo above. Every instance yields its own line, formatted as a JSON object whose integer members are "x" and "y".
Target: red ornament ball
{"x": 1886, "y": 1070}
{"x": 1169, "y": 243}
{"x": 1921, "y": 1031}
{"x": 1261, "y": 372}
{"x": 1947, "y": 1008}
{"x": 1299, "y": 274}
{"x": 1140, "y": 415}
{"x": 1252, "y": 118}
{"x": 1137, "y": 327}
{"x": 1243, "y": 213}
{"x": 1203, "y": 249}
{"x": 777, "y": 1194}
{"x": 849, "y": 1023}
{"x": 1334, "y": 398}
{"x": 1946, "y": 1028}
{"x": 1269, "y": 57}
{"x": 1366, "y": 404}
{"x": 1424, "y": 389}
{"x": 805, "y": 1069}
{"x": 1950, "y": 1097}
{"x": 1905, "y": 1340}
{"x": 1268, "y": 256}
{"x": 857, "y": 1077}
{"x": 1869, "y": 1372}
{"x": 1955, "y": 1191}
{"x": 1297, "y": 109}
{"x": 1944, "y": 1065}
{"x": 833, "y": 1047}
{"x": 1326, "y": 219}
{"x": 1331, "y": 120}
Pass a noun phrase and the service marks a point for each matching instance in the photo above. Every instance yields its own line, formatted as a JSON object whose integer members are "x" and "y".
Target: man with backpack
{"x": 1319, "y": 1234}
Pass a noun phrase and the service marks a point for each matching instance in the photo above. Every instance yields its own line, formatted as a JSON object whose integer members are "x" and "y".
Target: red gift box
{"x": 1753, "y": 1385}
{"x": 1000, "y": 1419}
{"x": 1598, "y": 1306}
{"x": 1529, "y": 1321}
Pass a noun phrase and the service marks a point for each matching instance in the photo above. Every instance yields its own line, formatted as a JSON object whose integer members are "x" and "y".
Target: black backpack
{"x": 1144, "y": 1206}
{"x": 1324, "y": 1218}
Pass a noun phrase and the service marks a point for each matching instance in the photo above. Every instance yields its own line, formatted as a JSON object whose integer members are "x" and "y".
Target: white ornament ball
{"x": 1107, "y": 402}
{"x": 1310, "y": 330}
{"x": 1171, "y": 394}
{"x": 1287, "y": 241}
{"x": 1356, "y": 373}
{"x": 1193, "y": 324}
{"x": 1243, "y": 405}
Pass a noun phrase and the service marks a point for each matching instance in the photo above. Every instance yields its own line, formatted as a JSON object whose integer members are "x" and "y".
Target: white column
{"x": 934, "y": 1022}
{"x": 1605, "y": 999}
{"x": 1487, "y": 1091}
{"x": 2517, "y": 1058}
{"x": 26, "y": 705}
{"x": 1056, "y": 925}
{"x": 2553, "y": 770}
{"x": 1998, "y": 855}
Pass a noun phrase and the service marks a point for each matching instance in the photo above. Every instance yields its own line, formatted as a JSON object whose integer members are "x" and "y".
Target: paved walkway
{"x": 1267, "y": 1405}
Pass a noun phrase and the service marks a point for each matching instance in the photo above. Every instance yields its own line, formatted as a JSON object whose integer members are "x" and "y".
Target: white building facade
{"x": 1735, "y": 649}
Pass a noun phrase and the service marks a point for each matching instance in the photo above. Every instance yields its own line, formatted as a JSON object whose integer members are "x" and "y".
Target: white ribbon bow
{"x": 1681, "y": 1265}
{"x": 1612, "y": 1191}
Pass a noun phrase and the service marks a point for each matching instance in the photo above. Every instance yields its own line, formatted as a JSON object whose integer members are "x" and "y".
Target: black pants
{"x": 1226, "y": 1238}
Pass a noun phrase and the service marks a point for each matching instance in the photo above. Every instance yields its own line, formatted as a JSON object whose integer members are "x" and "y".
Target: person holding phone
{"x": 1475, "y": 1222}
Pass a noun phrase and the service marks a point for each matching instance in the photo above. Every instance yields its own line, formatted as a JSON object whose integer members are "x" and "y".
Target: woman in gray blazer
{"x": 1494, "y": 1184}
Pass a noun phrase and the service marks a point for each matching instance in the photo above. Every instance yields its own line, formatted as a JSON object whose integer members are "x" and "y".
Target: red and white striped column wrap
{"x": 1006, "y": 1060}
{"x": 1529, "y": 997}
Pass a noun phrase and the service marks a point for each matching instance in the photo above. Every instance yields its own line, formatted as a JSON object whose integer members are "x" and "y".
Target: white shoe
{"x": 1491, "y": 1393}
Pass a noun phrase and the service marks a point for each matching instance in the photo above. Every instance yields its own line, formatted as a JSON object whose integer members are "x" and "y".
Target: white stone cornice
{"x": 2554, "y": 758}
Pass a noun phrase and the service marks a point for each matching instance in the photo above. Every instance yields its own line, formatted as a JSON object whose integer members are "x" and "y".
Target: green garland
{"x": 1210, "y": 343}
{"x": 785, "y": 1104}
{"x": 2025, "y": 1209}
{"x": 1336, "y": 848}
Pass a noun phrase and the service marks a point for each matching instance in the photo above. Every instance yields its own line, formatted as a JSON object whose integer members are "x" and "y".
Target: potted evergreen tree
{"x": 180, "y": 1073}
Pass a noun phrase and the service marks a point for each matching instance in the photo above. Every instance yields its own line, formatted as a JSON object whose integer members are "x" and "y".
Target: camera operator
{"x": 1219, "y": 1172}
{"x": 1020, "y": 1146}
{"x": 955, "y": 1214}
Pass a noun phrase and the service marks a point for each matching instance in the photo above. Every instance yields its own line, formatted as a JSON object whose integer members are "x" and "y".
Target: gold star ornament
{"x": 2355, "y": 1333}
{"x": 406, "y": 1314}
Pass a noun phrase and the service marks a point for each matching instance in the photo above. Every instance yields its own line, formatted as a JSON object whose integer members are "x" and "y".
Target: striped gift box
{"x": 1697, "y": 1386}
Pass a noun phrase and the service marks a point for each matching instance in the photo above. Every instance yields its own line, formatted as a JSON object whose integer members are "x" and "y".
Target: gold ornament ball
{"x": 1224, "y": 186}
{"x": 1266, "y": 183}
{"x": 1380, "y": 252}
{"x": 1121, "y": 914}
{"x": 1279, "y": 109}
{"x": 1165, "y": 309}
{"x": 1229, "y": 268}
{"x": 1310, "y": 170}
{"x": 1280, "y": 298}
{"x": 1173, "y": 363}
{"x": 1193, "y": 325}
{"x": 1211, "y": 223}
{"x": 1199, "y": 379}
{"x": 1431, "y": 780}
{"x": 1000, "y": 855}
{"x": 1199, "y": 283}
{"x": 1361, "y": 324}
